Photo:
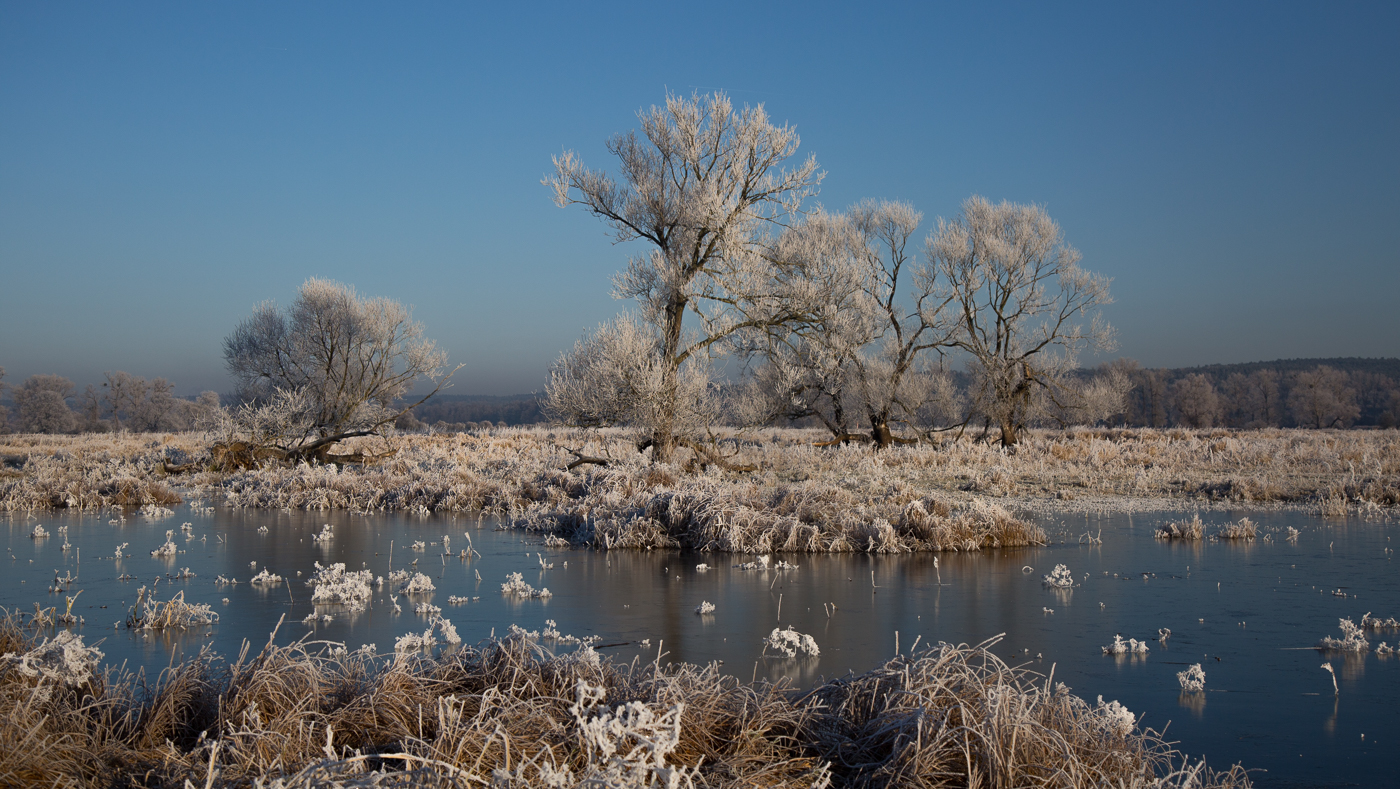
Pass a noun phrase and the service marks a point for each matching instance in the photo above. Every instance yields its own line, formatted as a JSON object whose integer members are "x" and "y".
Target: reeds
{"x": 1192, "y": 530}
{"x": 510, "y": 714}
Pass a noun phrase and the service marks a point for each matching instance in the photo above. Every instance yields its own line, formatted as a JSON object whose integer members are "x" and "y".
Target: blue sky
{"x": 1233, "y": 167}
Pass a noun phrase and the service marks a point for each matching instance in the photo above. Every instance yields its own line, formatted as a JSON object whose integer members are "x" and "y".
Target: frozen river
{"x": 1249, "y": 612}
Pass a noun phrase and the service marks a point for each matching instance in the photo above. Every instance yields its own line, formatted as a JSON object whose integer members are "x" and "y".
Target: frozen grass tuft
{"x": 789, "y": 642}
{"x": 515, "y": 586}
{"x": 325, "y": 535}
{"x": 169, "y": 548}
{"x": 1130, "y": 647}
{"x": 39, "y": 533}
{"x": 1192, "y": 530}
{"x": 174, "y": 614}
{"x": 705, "y": 607}
{"x": 333, "y": 585}
{"x": 265, "y": 578}
{"x": 1243, "y": 529}
{"x": 1193, "y": 679}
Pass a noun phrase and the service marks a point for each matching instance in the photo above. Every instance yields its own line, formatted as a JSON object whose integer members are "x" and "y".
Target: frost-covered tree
{"x": 1321, "y": 398}
{"x": 1020, "y": 298}
{"x": 864, "y": 359}
{"x": 703, "y": 185}
{"x": 331, "y": 366}
{"x": 1197, "y": 403}
{"x": 42, "y": 404}
{"x": 122, "y": 392}
{"x": 4, "y": 412}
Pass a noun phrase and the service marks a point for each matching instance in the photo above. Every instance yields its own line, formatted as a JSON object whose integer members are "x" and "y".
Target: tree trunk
{"x": 880, "y": 432}
{"x": 1008, "y": 433}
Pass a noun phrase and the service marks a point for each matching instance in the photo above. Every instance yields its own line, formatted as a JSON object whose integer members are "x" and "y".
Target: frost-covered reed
{"x": 265, "y": 578}
{"x": 1243, "y": 529}
{"x": 509, "y": 713}
{"x": 174, "y": 614}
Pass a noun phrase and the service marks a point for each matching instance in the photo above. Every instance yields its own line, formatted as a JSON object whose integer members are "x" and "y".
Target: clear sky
{"x": 1234, "y": 167}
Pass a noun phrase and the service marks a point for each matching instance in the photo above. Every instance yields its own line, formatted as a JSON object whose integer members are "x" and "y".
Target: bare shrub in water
{"x": 510, "y": 714}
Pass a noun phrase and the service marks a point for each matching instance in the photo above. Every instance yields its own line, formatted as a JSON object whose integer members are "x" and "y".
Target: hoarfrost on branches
{"x": 333, "y": 585}
{"x": 417, "y": 585}
{"x": 1059, "y": 578}
{"x": 1353, "y": 638}
{"x": 515, "y": 586}
{"x": 1132, "y": 646}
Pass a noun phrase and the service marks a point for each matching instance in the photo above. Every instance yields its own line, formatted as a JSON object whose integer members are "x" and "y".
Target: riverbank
{"x": 960, "y": 494}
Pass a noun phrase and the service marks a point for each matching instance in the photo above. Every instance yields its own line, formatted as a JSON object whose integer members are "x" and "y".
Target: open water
{"x": 1249, "y": 612}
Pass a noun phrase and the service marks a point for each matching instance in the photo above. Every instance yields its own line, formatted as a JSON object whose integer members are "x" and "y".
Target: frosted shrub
{"x": 705, "y": 607}
{"x": 64, "y": 660}
{"x": 459, "y": 599}
{"x": 334, "y": 585}
{"x": 1353, "y": 638}
{"x": 761, "y": 564}
{"x": 1193, "y": 530}
{"x": 324, "y": 535}
{"x": 1193, "y": 679}
{"x": 1119, "y": 647}
{"x": 118, "y": 555}
{"x": 426, "y": 608}
{"x": 419, "y": 545}
{"x": 265, "y": 578}
{"x": 702, "y": 568}
{"x": 418, "y": 584}
{"x": 789, "y": 642}
{"x": 39, "y": 533}
{"x": 1059, "y": 578}
{"x": 515, "y": 586}
{"x": 551, "y": 633}
{"x": 1384, "y": 649}
{"x": 1115, "y": 719}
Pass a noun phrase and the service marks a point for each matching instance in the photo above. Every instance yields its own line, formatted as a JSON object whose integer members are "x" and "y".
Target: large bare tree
{"x": 703, "y": 185}
{"x": 332, "y": 366}
{"x": 1022, "y": 301}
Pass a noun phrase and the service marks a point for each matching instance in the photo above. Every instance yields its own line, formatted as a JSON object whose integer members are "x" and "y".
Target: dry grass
{"x": 510, "y": 714}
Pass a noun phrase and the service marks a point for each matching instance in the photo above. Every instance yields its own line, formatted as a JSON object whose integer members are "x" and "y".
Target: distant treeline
{"x": 1346, "y": 392}
{"x": 1340, "y": 392}
{"x": 456, "y": 413}
{"x": 51, "y": 404}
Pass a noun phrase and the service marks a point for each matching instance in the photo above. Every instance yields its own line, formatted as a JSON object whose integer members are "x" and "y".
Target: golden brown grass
{"x": 510, "y": 714}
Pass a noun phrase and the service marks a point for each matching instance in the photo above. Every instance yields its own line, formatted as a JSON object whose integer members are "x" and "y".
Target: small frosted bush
{"x": 1059, "y": 578}
{"x": 265, "y": 578}
{"x": 1369, "y": 622}
{"x": 325, "y": 534}
{"x": 705, "y": 607}
{"x": 168, "y": 549}
{"x": 789, "y": 642}
{"x": 1193, "y": 679}
{"x": 39, "y": 533}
